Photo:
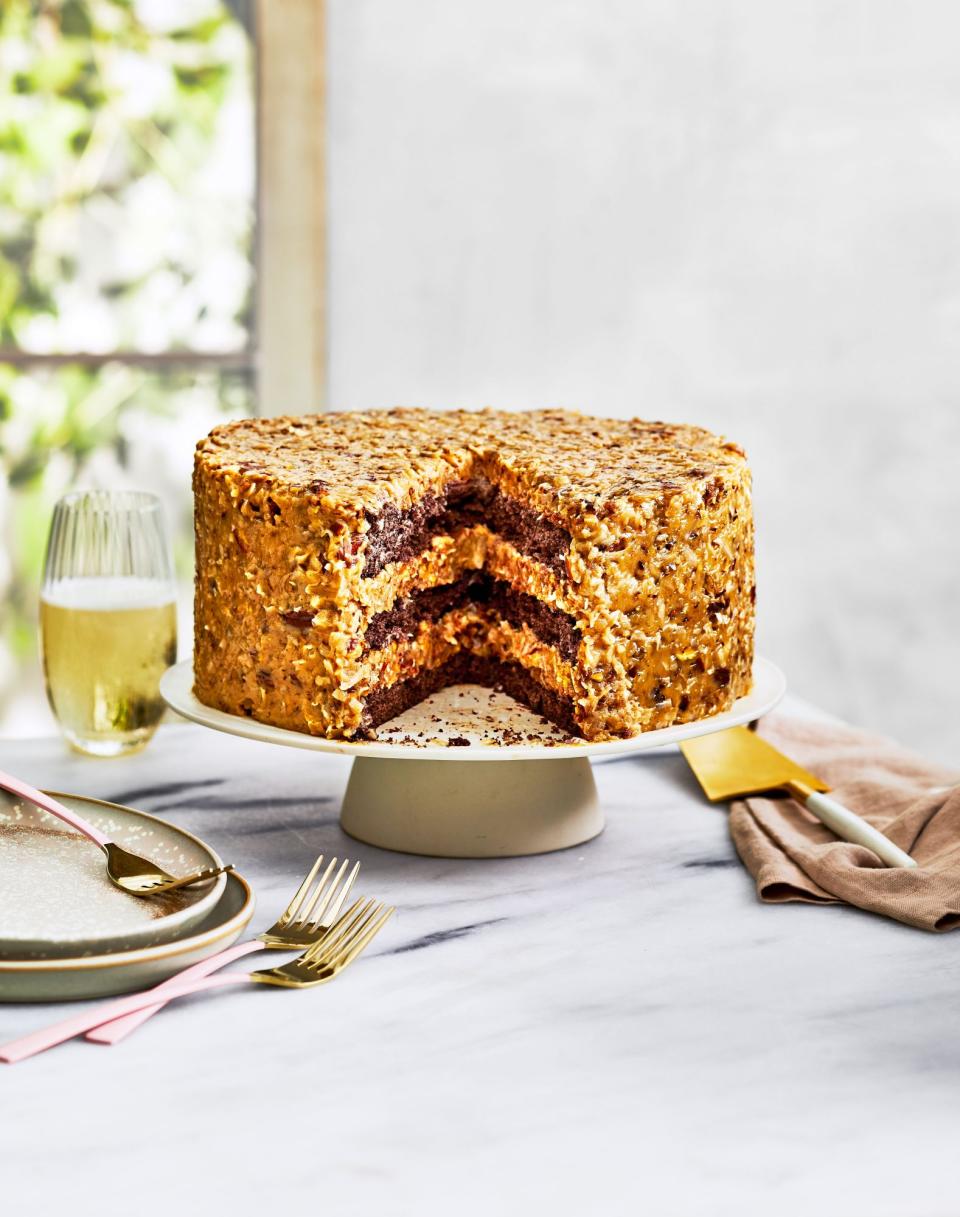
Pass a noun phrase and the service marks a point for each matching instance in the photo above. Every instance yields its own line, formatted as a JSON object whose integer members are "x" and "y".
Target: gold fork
{"x": 141, "y": 877}
{"x": 136, "y": 875}
{"x": 318, "y": 964}
{"x": 304, "y": 922}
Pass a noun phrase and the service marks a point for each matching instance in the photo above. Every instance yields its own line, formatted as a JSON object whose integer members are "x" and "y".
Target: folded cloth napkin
{"x": 792, "y": 856}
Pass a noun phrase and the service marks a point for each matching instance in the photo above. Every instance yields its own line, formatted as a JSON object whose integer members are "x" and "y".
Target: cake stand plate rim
{"x": 769, "y": 688}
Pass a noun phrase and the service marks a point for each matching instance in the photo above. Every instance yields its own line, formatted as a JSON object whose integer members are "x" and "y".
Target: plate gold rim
{"x": 159, "y": 951}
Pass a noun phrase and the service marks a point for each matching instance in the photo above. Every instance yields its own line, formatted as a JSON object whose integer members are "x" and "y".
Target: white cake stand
{"x": 412, "y": 790}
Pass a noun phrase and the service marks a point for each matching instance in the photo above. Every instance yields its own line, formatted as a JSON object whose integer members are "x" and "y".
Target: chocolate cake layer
{"x": 425, "y": 604}
{"x": 465, "y": 668}
{"x": 550, "y": 625}
{"x": 397, "y": 536}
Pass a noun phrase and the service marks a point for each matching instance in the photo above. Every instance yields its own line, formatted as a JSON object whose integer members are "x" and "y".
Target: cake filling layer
{"x": 466, "y": 668}
{"x": 475, "y": 587}
{"x": 397, "y": 536}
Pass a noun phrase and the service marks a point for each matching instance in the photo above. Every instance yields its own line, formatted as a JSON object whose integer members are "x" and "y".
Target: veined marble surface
{"x": 619, "y": 1029}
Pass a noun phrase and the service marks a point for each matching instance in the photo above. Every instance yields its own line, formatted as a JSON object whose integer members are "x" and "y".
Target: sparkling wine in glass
{"x": 108, "y": 621}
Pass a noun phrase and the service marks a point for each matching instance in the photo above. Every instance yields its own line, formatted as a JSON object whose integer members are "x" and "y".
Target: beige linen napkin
{"x": 792, "y": 856}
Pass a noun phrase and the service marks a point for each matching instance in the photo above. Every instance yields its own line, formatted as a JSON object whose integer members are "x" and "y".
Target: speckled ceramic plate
{"x": 55, "y": 897}
{"x": 26, "y": 980}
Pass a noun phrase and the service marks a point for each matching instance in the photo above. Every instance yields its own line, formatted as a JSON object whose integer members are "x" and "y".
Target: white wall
{"x": 739, "y": 213}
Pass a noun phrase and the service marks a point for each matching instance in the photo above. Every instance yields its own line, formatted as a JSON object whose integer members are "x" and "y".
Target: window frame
{"x": 287, "y": 358}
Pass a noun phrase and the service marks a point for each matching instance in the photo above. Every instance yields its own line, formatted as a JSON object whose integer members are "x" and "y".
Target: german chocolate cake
{"x": 348, "y": 565}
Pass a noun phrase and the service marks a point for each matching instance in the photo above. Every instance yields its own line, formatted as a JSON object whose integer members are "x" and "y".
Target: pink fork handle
{"x": 37, "y": 1041}
{"x": 119, "y": 1028}
{"x": 25, "y": 791}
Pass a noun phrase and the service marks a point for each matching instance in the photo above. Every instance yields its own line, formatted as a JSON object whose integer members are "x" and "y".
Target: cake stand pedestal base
{"x": 458, "y": 809}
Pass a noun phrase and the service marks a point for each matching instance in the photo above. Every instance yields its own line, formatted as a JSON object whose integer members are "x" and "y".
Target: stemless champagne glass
{"x": 108, "y": 620}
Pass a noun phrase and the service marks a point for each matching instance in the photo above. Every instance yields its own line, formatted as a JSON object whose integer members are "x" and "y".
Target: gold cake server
{"x": 737, "y": 762}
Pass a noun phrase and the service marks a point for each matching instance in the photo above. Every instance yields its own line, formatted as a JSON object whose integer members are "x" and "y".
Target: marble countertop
{"x": 618, "y": 1028}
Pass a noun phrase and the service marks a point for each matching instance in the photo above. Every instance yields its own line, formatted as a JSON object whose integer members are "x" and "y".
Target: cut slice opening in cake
{"x": 478, "y": 627}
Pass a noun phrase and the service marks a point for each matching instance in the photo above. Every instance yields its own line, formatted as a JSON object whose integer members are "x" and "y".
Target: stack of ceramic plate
{"x": 66, "y": 932}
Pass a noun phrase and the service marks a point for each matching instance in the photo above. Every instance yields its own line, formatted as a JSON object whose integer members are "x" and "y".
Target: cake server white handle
{"x": 848, "y": 825}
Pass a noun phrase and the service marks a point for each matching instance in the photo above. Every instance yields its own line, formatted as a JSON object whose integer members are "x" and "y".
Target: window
{"x": 129, "y": 303}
